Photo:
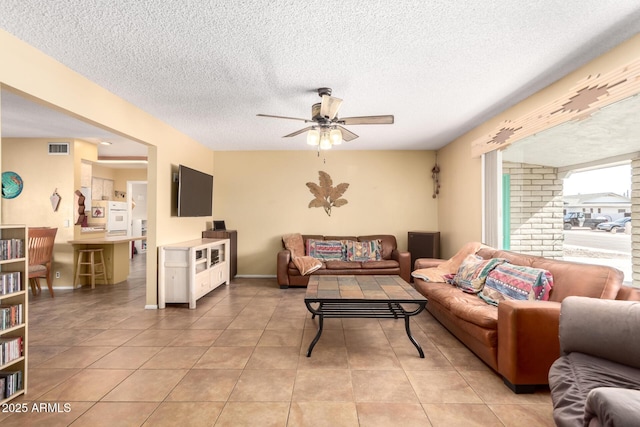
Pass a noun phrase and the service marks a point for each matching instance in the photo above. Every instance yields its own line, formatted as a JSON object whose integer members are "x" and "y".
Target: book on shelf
{"x": 10, "y": 349}
{"x": 11, "y": 315}
{"x": 10, "y": 282}
{"x": 11, "y": 249}
{"x": 10, "y": 383}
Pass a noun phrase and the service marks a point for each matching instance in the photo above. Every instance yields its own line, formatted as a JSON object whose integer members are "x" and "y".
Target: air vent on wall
{"x": 59, "y": 148}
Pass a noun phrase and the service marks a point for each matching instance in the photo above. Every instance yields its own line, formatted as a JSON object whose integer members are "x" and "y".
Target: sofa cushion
{"x": 342, "y": 265}
{"x": 464, "y": 306}
{"x": 362, "y": 251}
{"x": 381, "y": 264}
{"x": 473, "y": 272}
{"x": 325, "y": 249}
{"x": 508, "y": 281}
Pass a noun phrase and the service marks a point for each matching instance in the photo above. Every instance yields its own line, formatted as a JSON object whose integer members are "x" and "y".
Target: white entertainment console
{"x": 189, "y": 270}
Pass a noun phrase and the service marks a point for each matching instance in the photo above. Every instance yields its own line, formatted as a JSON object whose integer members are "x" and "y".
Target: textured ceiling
{"x": 208, "y": 67}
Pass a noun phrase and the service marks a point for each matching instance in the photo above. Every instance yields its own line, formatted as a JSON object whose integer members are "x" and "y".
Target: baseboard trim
{"x": 151, "y": 307}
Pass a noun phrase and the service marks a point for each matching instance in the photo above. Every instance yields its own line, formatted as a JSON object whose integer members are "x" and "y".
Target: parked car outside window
{"x": 616, "y": 225}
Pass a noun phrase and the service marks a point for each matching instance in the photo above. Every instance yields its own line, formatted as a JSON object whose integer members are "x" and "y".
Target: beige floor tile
{"x": 373, "y": 358}
{"x": 461, "y": 415}
{"x": 238, "y": 338}
{"x": 224, "y": 358}
{"x": 212, "y": 323}
{"x": 77, "y": 357}
{"x": 153, "y": 338}
{"x": 274, "y": 385}
{"x": 196, "y": 338}
{"x": 205, "y": 385}
{"x": 323, "y": 414}
{"x": 249, "y": 322}
{"x": 246, "y": 414}
{"x": 173, "y": 322}
{"x": 463, "y": 359}
{"x": 433, "y": 359}
{"x": 175, "y": 358}
{"x": 111, "y": 337}
{"x": 274, "y": 358}
{"x": 323, "y": 385}
{"x": 281, "y": 338}
{"x": 191, "y": 414}
{"x": 381, "y": 414}
{"x": 524, "y": 415}
{"x": 87, "y": 385}
{"x": 42, "y": 380}
{"x": 109, "y": 414}
{"x": 324, "y": 358}
{"x": 126, "y": 358}
{"x": 329, "y": 338}
{"x": 288, "y": 323}
{"x": 39, "y": 354}
{"x": 365, "y": 337}
{"x": 146, "y": 386}
{"x": 382, "y": 386}
{"x": 442, "y": 387}
{"x": 490, "y": 387}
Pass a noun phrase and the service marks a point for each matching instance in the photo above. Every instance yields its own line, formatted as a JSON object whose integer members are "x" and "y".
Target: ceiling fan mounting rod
{"x": 324, "y": 91}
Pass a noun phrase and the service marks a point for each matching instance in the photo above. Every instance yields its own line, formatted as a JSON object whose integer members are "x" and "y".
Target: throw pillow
{"x": 473, "y": 272}
{"x": 363, "y": 251}
{"x": 326, "y": 250}
{"x": 509, "y": 281}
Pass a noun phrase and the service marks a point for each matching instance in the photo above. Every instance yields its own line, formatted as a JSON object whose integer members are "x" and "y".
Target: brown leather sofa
{"x": 518, "y": 339}
{"x": 393, "y": 262}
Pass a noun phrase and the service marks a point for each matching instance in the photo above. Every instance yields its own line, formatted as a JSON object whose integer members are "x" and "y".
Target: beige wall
{"x": 42, "y": 175}
{"x": 264, "y": 195}
{"x": 460, "y": 207}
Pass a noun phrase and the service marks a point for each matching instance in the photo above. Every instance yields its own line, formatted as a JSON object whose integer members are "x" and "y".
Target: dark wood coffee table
{"x": 362, "y": 297}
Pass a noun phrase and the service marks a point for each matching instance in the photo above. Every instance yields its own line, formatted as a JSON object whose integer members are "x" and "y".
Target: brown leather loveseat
{"x": 518, "y": 339}
{"x": 392, "y": 262}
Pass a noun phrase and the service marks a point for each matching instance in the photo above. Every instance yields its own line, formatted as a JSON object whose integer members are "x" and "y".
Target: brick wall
{"x": 635, "y": 221}
{"x": 536, "y": 209}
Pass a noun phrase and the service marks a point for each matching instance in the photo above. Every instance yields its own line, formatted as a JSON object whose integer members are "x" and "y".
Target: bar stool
{"x": 92, "y": 262}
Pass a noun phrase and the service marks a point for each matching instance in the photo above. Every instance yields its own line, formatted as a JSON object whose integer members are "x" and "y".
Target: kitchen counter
{"x": 116, "y": 251}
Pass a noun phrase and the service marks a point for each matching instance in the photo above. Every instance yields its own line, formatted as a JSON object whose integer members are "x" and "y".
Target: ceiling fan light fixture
{"x": 335, "y": 136}
{"x": 313, "y": 137}
{"x": 325, "y": 140}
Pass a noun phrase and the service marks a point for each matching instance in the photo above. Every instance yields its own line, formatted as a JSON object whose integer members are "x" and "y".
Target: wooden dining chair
{"x": 41, "y": 241}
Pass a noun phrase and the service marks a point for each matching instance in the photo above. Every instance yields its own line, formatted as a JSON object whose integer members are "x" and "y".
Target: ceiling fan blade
{"x": 347, "y": 135}
{"x": 298, "y": 132}
{"x": 367, "y": 120}
{"x": 282, "y": 117}
{"x": 329, "y": 106}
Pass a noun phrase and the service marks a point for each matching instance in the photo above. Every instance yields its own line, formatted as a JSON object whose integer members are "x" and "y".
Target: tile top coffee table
{"x": 362, "y": 297}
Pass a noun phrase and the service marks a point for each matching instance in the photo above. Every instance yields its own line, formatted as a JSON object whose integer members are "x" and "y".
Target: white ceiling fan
{"x": 327, "y": 129}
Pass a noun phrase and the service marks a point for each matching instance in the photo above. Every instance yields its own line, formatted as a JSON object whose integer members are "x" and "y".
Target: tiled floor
{"x": 99, "y": 358}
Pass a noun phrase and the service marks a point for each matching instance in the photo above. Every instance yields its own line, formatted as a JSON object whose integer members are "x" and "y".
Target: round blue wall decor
{"x": 11, "y": 185}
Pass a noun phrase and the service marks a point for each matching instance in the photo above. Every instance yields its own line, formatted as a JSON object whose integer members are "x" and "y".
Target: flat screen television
{"x": 195, "y": 192}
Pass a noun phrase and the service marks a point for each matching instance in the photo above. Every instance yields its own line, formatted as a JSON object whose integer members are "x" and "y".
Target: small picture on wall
{"x": 97, "y": 212}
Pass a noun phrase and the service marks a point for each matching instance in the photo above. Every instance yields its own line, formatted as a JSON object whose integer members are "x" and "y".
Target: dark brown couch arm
{"x": 528, "y": 341}
{"x": 282, "y": 264}
{"x": 404, "y": 259}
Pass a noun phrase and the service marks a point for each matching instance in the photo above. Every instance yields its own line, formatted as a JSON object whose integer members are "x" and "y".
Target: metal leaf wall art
{"x": 327, "y": 196}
